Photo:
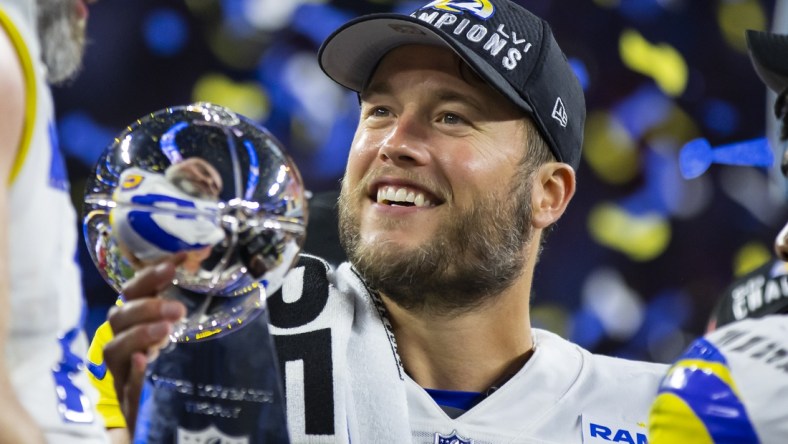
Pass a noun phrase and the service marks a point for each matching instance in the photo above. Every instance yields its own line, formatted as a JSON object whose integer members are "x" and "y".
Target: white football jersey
{"x": 563, "y": 394}
{"x": 47, "y": 345}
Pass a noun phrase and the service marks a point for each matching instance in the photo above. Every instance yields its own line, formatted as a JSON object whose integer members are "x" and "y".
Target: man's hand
{"x": 140, "y": 327}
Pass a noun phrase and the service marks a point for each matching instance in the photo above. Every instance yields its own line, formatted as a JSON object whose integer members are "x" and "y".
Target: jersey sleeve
{"x": 701, "y": 399}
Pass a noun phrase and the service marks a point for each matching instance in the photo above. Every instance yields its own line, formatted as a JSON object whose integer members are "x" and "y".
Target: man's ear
{"x": 553, "y": 188}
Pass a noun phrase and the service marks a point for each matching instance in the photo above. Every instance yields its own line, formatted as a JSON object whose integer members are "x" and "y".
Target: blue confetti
{"x": 720, "y": 116}
{"x": 642, "y": 110}
{"x": 588, "y": 330}
{"x": 697, "y": 155}
{"x": 82, "y": 138}
{"x": 651, "y": 197}
{"x": 317, "y": 21}
{"x": 641, "y": 10}
{"x": 166, "y": 32}
{"x": 580, "y": 71}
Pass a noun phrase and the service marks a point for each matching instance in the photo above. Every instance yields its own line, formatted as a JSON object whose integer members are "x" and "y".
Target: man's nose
{"x": 407, "y": 142}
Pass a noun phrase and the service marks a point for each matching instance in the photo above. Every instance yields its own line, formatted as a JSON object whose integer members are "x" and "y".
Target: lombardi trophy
{"x": 202, "y": 180}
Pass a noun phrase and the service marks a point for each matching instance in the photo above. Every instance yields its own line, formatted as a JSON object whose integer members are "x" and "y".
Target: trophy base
{"x": 226, "y": 388}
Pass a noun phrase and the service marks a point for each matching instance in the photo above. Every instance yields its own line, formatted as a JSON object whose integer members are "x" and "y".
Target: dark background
{"x": 634, "y": 267}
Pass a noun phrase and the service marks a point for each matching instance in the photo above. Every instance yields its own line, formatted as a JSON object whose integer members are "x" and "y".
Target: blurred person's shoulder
{"x": 729, "y": 386}
{"x": 755, "y": 341}
{"x": 761, "y": 292}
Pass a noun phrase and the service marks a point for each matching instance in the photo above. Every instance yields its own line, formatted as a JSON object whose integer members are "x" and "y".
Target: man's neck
{"x": 472, "y": 351}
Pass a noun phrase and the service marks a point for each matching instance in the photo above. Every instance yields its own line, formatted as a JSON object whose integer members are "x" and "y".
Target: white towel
{"x": 367, "y": 401}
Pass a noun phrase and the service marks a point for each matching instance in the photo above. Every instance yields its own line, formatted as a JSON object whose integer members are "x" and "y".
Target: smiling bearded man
{"x": 477, "y": 255}
{"x": 469, "y": 135}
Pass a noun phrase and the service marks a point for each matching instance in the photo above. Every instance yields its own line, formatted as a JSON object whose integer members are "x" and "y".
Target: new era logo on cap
{"x": 559, "y": 112}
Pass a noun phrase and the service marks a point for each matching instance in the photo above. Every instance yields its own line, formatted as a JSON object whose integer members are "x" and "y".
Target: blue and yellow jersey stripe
{"x": 699, "y": 402}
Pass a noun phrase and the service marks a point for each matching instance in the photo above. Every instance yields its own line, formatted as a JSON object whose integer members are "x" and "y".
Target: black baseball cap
{"x": 769, "y": 56}
{"x": 508, "y": 46}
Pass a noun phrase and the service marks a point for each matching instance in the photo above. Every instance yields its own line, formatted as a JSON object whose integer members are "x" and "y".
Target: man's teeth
{"x": 394, "y": 196}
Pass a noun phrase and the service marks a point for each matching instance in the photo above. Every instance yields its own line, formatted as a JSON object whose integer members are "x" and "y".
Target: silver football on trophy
{"x": 201, "y": 180}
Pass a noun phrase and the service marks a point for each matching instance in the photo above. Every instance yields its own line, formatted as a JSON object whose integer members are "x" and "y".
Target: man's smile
{"x": 402, "y": 196}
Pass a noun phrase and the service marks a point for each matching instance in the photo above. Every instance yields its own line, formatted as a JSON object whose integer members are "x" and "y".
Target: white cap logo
{"x": 559, "y": 113}
{"x": 480, "y": 8}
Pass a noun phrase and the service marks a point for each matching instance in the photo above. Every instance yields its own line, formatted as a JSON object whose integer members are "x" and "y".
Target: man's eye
{"x": 380, "y": 112}
{"x": 452, "y": 119}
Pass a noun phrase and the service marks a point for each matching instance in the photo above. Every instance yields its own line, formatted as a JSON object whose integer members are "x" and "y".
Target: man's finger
{"x": 119, "y": 352}
{"x": 154, "y": 279}
{"x": 133, "y": 388}
{"x": 144, "y": 311}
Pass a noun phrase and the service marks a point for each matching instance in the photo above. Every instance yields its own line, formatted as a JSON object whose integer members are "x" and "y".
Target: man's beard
{"x": 62, "y": 36}
{"x": 475, "y": 256}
